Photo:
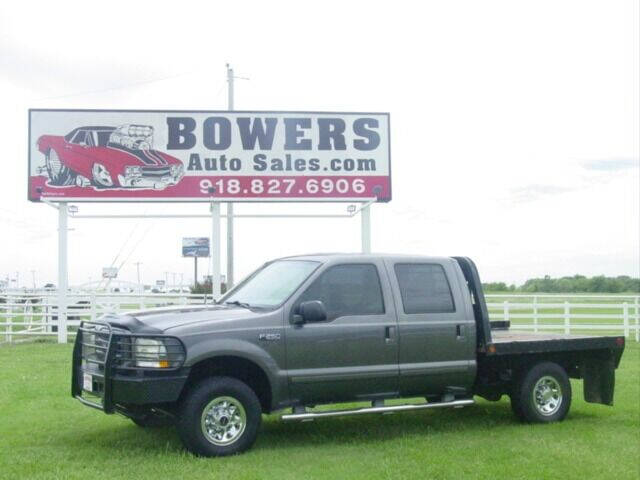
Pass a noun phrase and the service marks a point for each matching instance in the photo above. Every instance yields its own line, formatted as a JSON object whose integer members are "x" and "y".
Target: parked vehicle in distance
{"x": 325, "y": 329}
{"x": 108, "y": 157}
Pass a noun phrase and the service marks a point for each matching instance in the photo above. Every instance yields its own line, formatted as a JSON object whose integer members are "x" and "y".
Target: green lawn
{"x": 46, "y": 434}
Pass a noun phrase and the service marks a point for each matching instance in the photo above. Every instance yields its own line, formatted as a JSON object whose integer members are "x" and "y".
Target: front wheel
{"x": 101, "y": 176}
{"x": 543, "y": 395}
{"x": 219, "y": 416}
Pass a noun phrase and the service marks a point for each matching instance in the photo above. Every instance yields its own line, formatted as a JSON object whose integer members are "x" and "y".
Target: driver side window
{"x": 350, "y": 289}
{"x": 80, "y": 138}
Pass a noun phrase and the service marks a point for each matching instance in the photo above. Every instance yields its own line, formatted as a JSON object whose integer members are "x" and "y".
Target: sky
{"x": 514, "y": 126}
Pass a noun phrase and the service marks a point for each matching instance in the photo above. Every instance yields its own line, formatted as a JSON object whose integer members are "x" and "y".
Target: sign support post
{"x": 215, "y": 249}
{"x": 195, "y": 271}
{"x": 63, "y": 278}
{"x": 230, "y": 204}
{"x": 365, "y": 228}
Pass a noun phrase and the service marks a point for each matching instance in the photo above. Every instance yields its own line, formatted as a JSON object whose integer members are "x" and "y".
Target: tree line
{"x": 575, "y": 284}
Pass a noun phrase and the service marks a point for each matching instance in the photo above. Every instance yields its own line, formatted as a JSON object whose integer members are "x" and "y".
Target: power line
{"x": 119, "y": 87}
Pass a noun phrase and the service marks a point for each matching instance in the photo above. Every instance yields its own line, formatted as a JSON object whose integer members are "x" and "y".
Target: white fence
{"x": 24, "y": 315}
{"x": 27, "y": 315}
{"x": 594, "y": 314}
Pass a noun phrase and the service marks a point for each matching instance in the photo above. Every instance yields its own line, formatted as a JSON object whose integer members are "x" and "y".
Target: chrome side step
{"x": 360, "y": 411}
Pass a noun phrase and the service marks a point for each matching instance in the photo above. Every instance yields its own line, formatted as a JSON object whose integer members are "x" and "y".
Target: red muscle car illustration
{"x": 109, "y": 157}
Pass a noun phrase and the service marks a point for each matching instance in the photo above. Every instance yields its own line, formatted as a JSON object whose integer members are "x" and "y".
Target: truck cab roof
{"x": 337, "y": 257}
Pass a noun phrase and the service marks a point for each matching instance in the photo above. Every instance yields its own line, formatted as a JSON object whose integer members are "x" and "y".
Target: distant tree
{"x": 495, "y": 287}
{"x": 205, "y": 288}
{"x": 574, "y": 284}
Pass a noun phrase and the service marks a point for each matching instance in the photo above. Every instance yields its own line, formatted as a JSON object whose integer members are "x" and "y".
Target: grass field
{"x": 46, "y": 434}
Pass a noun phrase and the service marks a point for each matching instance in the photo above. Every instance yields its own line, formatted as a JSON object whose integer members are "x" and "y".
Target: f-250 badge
{"x": 269, "y": 337}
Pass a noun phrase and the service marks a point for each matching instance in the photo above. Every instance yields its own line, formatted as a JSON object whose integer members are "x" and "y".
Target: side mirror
{"x": 311, "y": 311}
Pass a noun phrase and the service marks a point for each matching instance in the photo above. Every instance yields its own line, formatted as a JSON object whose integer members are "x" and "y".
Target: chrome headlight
{"x": 176, "y": 170}
{"x": 158, "y": 353}
{"x": 133, "y": 171}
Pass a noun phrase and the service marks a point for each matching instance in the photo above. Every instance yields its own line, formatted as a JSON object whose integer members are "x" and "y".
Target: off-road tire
{"x": 192, "y": 407}
{"x": 524, "y": 403}
{"x": 64, "y": 176}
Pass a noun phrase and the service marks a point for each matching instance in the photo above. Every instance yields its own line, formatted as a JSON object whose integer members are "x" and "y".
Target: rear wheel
{"x": 59, "y": 174}
{"x": 543, "y": 395}
{"x": 219, "y": 416}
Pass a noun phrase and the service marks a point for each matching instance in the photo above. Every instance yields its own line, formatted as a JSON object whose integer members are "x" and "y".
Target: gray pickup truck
{"x": 324, "y": 329}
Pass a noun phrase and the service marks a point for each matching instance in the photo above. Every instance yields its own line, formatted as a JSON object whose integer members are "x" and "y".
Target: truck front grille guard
{"x": 102, "y": 359}
{"x": 99, "y": 345}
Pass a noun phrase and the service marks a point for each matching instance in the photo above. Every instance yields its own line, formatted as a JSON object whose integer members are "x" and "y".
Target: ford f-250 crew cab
{"x": 320, "y": 329}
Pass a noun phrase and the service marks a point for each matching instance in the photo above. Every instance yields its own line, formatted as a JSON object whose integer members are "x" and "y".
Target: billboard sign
{"x": 109, "y": 272}
{"x": 195, "y": 247}
{"x": 151, "y": 155}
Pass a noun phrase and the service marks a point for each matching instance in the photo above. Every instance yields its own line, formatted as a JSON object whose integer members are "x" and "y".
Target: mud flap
{"x": 599, "y": 379}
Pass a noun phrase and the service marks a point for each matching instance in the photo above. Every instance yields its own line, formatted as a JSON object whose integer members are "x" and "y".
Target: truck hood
{"x": 160, "y": 320}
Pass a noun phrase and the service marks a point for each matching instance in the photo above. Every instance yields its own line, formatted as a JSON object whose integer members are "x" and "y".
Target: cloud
{"x": 610, "y": 164}
{"x": 598, "y": 172}
{"x": 530, "y": 193}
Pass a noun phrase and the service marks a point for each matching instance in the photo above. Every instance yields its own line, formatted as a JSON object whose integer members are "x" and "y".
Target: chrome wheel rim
{"x": 55, "y": 165}
{"x": 223, "y": 420}
{"x": 101, "y": 175}
{"x": 547, "y": 396}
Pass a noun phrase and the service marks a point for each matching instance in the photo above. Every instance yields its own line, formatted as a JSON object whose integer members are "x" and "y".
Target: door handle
{"x": 389, "y": 334}
{"x": 460, "y": 330}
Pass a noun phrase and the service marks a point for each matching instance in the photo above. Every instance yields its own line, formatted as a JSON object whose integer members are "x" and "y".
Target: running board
{"x": 359, "y": 411}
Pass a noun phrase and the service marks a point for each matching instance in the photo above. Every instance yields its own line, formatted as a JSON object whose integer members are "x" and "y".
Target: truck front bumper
{"x": 98, "y": 382}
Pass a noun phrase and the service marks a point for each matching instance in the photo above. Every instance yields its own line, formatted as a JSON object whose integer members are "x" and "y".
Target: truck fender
{"x": 212, "y": 348}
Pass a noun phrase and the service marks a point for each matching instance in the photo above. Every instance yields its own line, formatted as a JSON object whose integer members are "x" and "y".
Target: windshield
{"x": 273, "y": 284}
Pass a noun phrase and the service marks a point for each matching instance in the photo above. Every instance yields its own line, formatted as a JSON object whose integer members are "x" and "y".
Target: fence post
{"x": 505, "y": 310}
{"x": 535, "y": 313}
{"x": 92, "y": 299}
{"x": 567, "y": 321}
{"x": 10, "y": 318}
{"x": 625, "y": 318}
{"x": 637, "y": 320}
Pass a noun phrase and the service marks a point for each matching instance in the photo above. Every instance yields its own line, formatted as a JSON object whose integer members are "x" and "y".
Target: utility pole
{"x": 195, "y": 270}
{"x": 229, "y": 204}
{"x": 33, "y": 275}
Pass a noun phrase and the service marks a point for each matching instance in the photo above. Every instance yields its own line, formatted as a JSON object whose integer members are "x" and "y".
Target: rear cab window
{"x": 424, "y": 288}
